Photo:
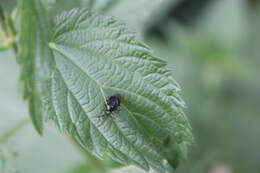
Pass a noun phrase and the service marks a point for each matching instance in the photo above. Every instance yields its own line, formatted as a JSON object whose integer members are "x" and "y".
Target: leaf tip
{"x": 39, "y": 129}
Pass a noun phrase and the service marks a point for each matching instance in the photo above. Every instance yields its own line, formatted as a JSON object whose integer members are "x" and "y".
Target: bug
{"x": 112, "y": 104}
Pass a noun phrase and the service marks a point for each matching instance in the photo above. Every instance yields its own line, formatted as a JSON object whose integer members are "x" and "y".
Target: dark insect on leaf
{"x": 112, "y": 104}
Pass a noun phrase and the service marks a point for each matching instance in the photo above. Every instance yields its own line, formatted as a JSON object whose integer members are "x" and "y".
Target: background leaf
{"x": 57, "y": 6}
{"x": 141, "y": 19}
{"x": 96, "y": 57}
{"x": 34, "y": 56}
{"x": 8, "y": 5}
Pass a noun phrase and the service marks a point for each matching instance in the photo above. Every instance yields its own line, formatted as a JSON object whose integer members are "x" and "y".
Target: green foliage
{"x": 34, "y": 56}
{"x": 214, "y": 54}
{"x": 96, "y": 57}
{"x": 69, "y": 70}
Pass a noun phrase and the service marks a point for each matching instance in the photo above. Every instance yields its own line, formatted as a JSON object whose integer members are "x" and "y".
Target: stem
{"x": 2, "y": 22}
{"x": 12, "y": 30}
{"x": 20, "y": 124}
{"x": 7, "y": 26}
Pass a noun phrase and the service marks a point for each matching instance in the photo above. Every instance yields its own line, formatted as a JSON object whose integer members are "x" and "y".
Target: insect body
{"x": 112, "y": 104}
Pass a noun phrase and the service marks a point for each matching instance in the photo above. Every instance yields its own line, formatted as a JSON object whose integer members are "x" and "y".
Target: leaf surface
{"x": 34, "y": 56}
{"x": 96, "y": 57}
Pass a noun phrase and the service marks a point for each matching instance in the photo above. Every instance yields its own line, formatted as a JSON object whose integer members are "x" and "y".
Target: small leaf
{"x": 34, "y": 56}
{"x": 95, "y": 57}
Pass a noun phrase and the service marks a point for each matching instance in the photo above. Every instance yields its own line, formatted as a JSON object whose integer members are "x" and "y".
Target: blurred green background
{"x": 213, "y": 49}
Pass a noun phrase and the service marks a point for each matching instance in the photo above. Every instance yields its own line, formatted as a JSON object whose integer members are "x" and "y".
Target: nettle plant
{"x": 73, "y": 61}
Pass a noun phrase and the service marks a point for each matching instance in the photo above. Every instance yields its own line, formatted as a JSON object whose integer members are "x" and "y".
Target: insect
{"x": 112, "y": 104}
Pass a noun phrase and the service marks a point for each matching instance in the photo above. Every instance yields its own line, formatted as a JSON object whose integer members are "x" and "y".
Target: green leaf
{"x": 95, "y": 57}
{"x": 34, "y": 56}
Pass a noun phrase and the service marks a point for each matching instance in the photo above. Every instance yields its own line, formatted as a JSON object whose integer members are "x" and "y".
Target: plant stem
{"x": 6, "y": 135}
{"x": 7, "y": 26}
{"x": 2, "y": 22}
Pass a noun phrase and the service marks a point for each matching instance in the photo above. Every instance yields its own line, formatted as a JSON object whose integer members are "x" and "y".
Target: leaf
{"x": 34, "y": 56}
{"x": 95, "y": 57}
